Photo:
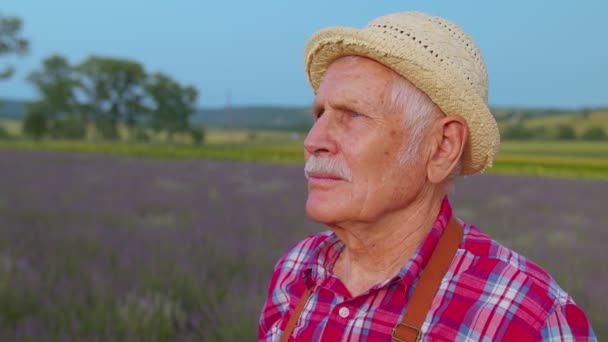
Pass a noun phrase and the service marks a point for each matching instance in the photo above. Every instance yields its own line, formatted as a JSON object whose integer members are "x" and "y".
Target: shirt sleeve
{"x": 275, "y": 305}
{"x": 567, "y": 322}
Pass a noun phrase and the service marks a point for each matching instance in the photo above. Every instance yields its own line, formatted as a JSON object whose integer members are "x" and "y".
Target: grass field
{"x": 559, "y": 159}
{"x": 580, "y": 123}
{"x": 553, "y": 158}
{"x": 13, "y": 127}
{"x": 578, "y": 149}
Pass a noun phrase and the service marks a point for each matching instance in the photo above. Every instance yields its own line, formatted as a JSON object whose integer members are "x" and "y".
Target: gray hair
{"x": 419, "y": 113}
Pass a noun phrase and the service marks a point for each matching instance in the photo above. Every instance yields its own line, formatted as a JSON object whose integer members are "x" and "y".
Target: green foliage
{"x": 173, "y": 104}
{"x": 71, "y": 128}
{"x": 566, "y": 132}
{"x": 594, "y": 133}
{"x": 198, "y": 135}
{"x": 114, "y": 88}
{"x": 557, "y": 149}
{"x": 141, "y": 134}
{"x": 521, "y": 132}
{"x": 35, "y": 124}
{"x": 58, "y": 111}
{"x": 579, "y": 120}
{"x": 56, "y": 83}
{"x": 109, "y": 92}
{"x": 578, "y": 168}
{"x": 11, "y": 42}
{"x": 4, "y": 134}
{"x": 107, "y": 127}
{"x": 516, "y": 132}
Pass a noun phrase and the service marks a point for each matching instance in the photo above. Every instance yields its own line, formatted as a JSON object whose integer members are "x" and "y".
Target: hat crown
{"x": 443, "y": 40}
{"x": 435, "y": 55}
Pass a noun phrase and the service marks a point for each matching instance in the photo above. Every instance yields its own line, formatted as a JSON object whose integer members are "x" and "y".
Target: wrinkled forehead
{"x": 356, "y": 79}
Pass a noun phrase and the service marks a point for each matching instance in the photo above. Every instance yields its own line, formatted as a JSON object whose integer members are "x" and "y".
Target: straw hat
{"x": 435, "y": 55}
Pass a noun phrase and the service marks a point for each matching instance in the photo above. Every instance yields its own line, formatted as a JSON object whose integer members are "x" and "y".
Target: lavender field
{"x": 102, "y": 248}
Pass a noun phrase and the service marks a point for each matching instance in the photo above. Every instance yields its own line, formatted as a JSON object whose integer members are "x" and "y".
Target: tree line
{"x": 520, "y": 131}
{"x": 107, "y": 92}
{"x": 514, "y": 126}
{"x": 100, "y": 94}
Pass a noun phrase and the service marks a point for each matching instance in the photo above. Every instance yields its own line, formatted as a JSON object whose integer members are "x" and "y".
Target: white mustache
{"x": 326, "y": 165}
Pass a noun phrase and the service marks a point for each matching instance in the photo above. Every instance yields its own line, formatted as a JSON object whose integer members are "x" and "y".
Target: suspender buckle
{"x": 418, "y": 333}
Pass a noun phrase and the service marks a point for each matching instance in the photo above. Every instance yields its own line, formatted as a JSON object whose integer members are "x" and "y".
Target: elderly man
{"x": 400, "y": 110}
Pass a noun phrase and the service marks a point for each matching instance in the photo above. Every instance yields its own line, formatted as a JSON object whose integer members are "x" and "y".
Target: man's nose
{"x": 320, "y": 138}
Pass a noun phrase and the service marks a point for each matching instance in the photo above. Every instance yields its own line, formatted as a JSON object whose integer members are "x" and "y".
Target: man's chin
{"x": 318, "y": 212}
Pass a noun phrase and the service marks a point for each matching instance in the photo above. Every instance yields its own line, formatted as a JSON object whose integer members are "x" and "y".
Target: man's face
{"x": 357, "y": 129}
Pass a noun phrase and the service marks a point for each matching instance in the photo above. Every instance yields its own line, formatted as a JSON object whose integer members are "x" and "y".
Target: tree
{"x": 566, "y": 132}
{"x": 516, "y": 132}
{"x": 114, "y": 91}
{"x": 35, "y": 122}
{"x": 172, "y": 104}
{"x": 11, "y": 42}
{"x": 56, "y": 83}
{"x": 198, "y": 135}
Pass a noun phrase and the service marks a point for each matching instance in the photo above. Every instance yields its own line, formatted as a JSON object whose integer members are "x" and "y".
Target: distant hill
{"x": 299, "y": 118}
{"x": 12, "y": 109}
{"x": 262, "y": 117}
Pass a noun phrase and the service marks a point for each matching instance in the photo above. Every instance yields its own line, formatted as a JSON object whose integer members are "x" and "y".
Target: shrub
{"x": 106, "y": 127}
{"x": 141, "y": 135}
{"x": 71, "y": 128}
{"x": 4, "y": 134}
{"x": 594, "y": 133}
{"x": 516, "y": 132}
{"x": 198, "y": 135}
{"x": 35, "y": 124}
{"x": 566, "y": 132}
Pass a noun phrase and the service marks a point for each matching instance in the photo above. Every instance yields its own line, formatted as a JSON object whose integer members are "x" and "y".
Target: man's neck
{"x": 376, "y": 252}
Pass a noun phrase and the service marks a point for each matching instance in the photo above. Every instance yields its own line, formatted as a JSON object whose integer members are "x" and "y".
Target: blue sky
{"x": 539, "y": 53}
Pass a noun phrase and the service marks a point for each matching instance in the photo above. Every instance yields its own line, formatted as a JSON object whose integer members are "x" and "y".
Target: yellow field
{"x": 12, "y": 126}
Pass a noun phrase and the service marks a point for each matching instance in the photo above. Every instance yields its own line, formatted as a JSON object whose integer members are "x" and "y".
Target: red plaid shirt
{"x": 490, "y": 293}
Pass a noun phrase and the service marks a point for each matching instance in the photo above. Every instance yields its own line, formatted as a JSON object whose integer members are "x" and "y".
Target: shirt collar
{"x": 319, "y": 268}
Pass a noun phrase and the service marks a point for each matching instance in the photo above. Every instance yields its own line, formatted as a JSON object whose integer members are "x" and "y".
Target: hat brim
{"x": 430, "y": 73}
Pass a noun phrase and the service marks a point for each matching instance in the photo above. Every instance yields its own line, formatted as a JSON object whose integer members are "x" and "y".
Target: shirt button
{"x": 343, "y": 312}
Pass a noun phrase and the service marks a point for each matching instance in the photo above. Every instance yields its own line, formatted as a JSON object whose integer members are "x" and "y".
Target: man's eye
{"x": 355, "y": 114}
{"x": 318, "y": 114}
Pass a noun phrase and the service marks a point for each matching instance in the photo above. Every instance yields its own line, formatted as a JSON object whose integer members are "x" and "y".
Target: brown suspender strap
{"x": 296, "y": 314}
{"x": 420, "y": 302}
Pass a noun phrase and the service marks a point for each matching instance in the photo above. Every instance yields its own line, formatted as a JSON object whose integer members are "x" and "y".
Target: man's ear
{"x": 448, "y": 138}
